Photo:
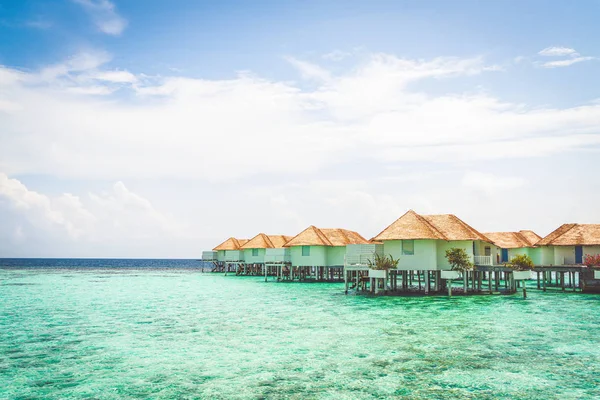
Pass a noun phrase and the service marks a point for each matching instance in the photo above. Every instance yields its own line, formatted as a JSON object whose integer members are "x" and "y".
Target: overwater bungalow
{"x": 320, "y": 254}
{"x": 570, "y": 243}
{"x": 261, "y": 250}
{"x": 563, "y": 253}
{"x": 510, "y": 244}
{"x": 421, "y": 241}
{"x": 229, "y": 255}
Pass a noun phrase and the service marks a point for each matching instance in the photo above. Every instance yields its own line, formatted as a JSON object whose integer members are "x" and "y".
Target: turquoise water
{"x": 178, "y": 333}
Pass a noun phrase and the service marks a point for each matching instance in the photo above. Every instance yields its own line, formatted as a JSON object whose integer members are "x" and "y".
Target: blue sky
{"x": 114, "y": 116}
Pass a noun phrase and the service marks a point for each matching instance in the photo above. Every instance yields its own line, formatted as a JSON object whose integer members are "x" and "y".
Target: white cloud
{"x": 565, "y": 63}
{"x": 84, "y": 61}
{"x": 573, "y": 57}
{"x": 491, "y": 184}
{"x": 336, "y": 55}
{"x": 557, "y": 51}
{"x": 104, "y": 15}
{"x": 91, "y": 90}
{"x": 116, "y": 76}
{"x": 180, "y": 127}
{"x": 65, "y": 211}
{"x": 119, "y": 214}
{"x": 308, "y": 70}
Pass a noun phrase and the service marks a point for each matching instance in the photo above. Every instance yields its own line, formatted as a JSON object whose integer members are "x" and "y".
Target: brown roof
{"x": 531, "y": 236}
{"x": 443, "y": 227}
{"x": 573, "y": 235}
{"x": 279, "y": 240}
{"x": 313, "y": 236}
{"x": 231, "y": 244}
{"x": 514, "y": 240}
{"x": 262, "y": 241}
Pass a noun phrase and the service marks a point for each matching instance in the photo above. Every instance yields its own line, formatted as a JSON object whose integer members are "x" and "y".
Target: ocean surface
{"x": 126, "y": 329}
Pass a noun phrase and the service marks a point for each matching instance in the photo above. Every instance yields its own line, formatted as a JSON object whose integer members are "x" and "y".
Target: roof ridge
{"x": 419, "y": 217}
{"x": 235, "y": 242}
{"x": 473, "y": 230}
{"x": 570, "y": 226}
{"x": 322, "y": 235}
{"x": 430, "y": 225}
{"x": 343, "y": 232}
{"x": 268, "y": 240}
{"x": 410, "y": 211}
{"x": 521, "y": 238}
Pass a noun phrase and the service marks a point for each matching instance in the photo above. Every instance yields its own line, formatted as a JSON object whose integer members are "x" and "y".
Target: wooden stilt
{"x": 496, "y": 280}
{"x": 544, "y": 281}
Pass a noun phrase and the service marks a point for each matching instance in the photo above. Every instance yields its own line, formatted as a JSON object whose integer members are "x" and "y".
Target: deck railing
{"x": 359, "y": 259}
{"x": 278, "y": 258}
{"x": 483, "y": 260}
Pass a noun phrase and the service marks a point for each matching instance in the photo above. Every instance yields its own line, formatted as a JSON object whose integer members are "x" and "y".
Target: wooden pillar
{"x": 537, "y": 273}
{"x": 465, "y": 281}
{"x": 562, "y": 281}
{"x": 490, "y": 281}
{"x": 426, "y": 279}
{"x": 419, "y": 279}
{"x": 346, "y": 280}
{"x": 496, "y": 280}
{"x": 544, "y": 281}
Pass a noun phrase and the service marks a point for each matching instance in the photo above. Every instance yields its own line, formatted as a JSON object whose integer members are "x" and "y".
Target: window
{"x": 488, "y": 251}
{"x": 408, "y": 247}
{"x": 254, "y": 252}
{"x": 306, "y": 250}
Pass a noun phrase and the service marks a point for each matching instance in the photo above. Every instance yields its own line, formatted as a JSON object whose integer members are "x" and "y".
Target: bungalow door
{"x": 578, "y": 254}
{"x": 504, "y": 255}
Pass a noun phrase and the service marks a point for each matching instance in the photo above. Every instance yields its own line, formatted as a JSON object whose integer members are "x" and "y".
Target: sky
{"x": 150, "y": 129}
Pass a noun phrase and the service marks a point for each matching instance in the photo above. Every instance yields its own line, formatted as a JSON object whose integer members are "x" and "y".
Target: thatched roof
{"x": 443, "y": 227}
{"x": 262, "y": 241}
{"x": 513, "y": 240}
{"x": 531, "y": 236}
{"x": 231, "y": 244}
{"x": 573, "y": 235}
{"x": 313, "y": 236}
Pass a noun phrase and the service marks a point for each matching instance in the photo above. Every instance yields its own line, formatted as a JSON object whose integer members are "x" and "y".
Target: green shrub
{"x": 383, "y": 262}
{"x": 521, "y": 262}
{"x": 459, "y": 259}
